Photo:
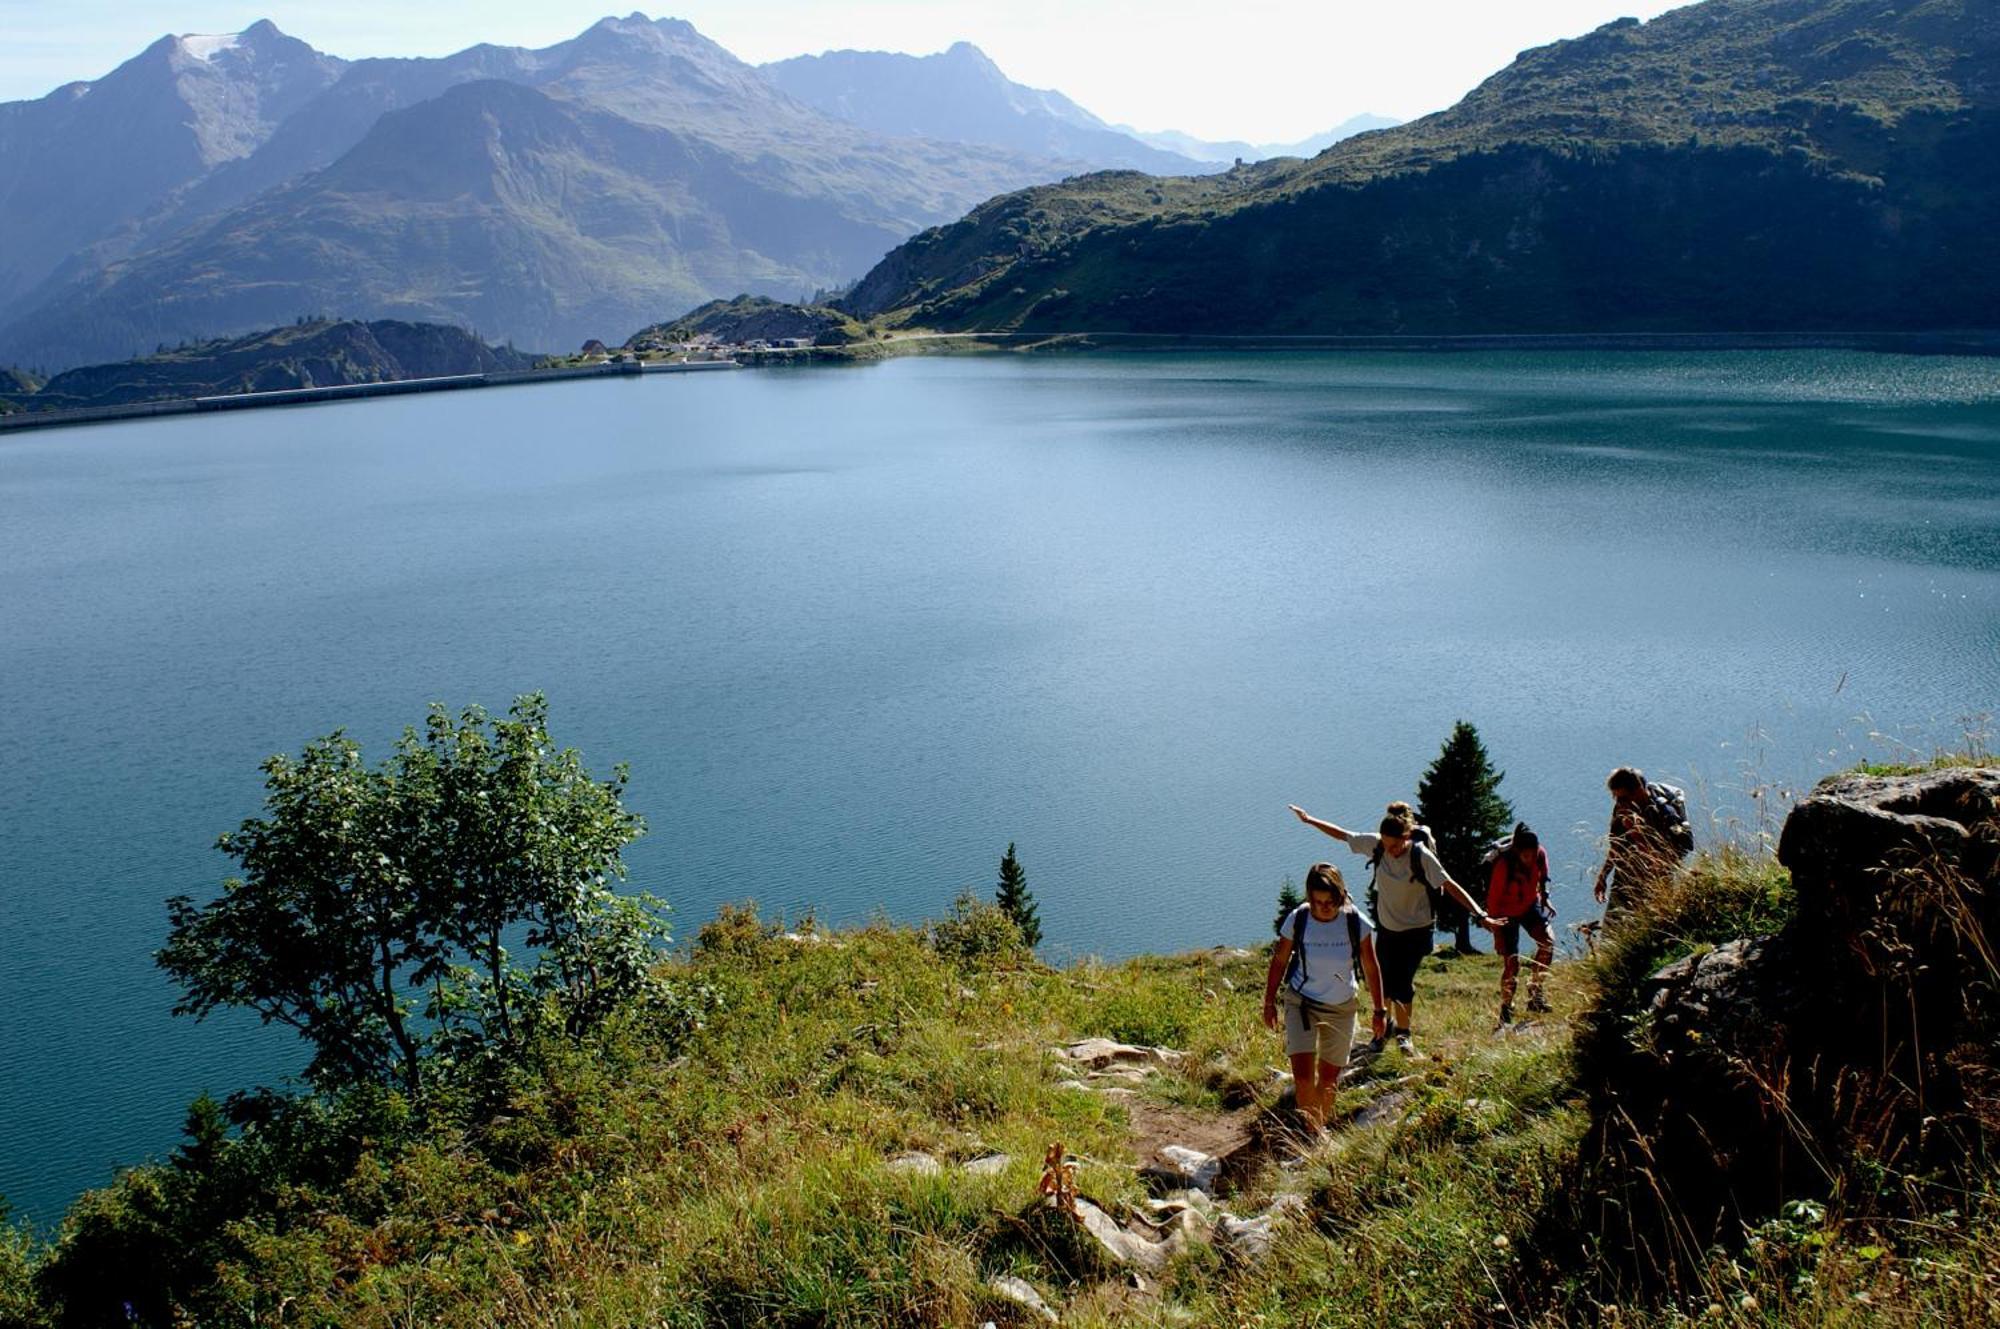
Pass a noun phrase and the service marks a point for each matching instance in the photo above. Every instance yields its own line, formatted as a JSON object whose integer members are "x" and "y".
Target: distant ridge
{"x": 319, "y": 353}
{"x": 1232, "y": 150}
{"x": 959, "y": 95}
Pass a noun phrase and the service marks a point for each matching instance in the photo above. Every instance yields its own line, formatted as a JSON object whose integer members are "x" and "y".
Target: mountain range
{"x": 214, "y": 185}
{"x": 1736, "y": 165}
{"x": 1235, "y": 150}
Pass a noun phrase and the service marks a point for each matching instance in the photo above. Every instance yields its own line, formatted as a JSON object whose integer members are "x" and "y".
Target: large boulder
{"x": 1863, "y": 1036}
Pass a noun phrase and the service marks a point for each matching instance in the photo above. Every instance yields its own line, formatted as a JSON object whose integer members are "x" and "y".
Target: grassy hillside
{"x": 1734, "y": 165}
{"x": 748, "y": 318}
{"x": 311, "y": 353}
{"x": 760, "y": 1165}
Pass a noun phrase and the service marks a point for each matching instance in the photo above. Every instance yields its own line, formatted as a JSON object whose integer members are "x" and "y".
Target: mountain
{"x": 747, "y": 318}
{"x": 960, "y": 96}
{"x": 92, "y": 158}
{"x": 1735, "y": 165}
{"x": 546, "y": 195}
{"x": 303, "y": 355}
{"x": 1187, "y": 145}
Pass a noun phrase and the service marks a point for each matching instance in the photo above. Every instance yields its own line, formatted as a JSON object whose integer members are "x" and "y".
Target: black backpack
{"x": 1420, "y": 836}
{"x": 1667, "y": 809}
{"x": 1295, "y": 973}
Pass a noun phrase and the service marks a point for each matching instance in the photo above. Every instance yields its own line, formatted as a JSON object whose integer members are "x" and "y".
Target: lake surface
{"x": 857, "y": 629}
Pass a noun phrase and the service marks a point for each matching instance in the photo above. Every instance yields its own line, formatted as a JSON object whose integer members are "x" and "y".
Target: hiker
{"x": 1406, "y": 873}
{"x": 1517, "y": 893}
{"x": 1324, "y": 946}
{"x": 1649, "y": 834}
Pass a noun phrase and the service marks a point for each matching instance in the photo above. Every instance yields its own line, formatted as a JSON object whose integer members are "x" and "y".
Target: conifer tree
{"x": 1459, "y": 799}
{"x": 1288, "y": 900}
{"x": 1016, "y": 900}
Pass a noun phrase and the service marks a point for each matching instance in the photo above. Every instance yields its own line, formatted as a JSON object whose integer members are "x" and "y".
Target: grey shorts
{"x": 1328, "y": 1035}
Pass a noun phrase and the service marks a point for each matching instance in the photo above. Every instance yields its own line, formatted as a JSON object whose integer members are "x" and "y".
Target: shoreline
{"x": 1959, "y": 343}
{"x": 400, "y": 387}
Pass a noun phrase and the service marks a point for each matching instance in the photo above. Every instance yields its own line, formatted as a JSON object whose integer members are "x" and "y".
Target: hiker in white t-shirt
{"x": 1406, "y": 872}
{"x": 1323, "y": 946}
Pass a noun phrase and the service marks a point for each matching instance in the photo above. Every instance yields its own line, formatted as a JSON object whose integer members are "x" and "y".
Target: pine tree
{"x": 1017, "y": 900}
{"x": 1288, "y": 900}
{"x": 1459, "y": 800}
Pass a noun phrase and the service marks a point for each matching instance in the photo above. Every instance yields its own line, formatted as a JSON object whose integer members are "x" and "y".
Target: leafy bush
{"x": 735, "y": 930}
{"x": 366, "y": 889}
{"x": 977, "y": 932}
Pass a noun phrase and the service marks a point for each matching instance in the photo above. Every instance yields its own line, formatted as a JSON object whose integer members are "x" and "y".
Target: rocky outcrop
{"x": 1863, "y": 1036}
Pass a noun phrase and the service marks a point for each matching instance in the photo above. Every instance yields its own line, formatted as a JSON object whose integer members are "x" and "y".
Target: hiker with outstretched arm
{"x": 1326, "y": 947}
{"x": 1649, "y": 835}
{"x": 1406, "y": 871}
{"x": 1517, "y": 893}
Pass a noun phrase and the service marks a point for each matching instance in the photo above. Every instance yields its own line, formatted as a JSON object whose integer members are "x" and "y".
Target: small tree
{"x": 1458, "y": 799}
{"x": 1016, "y": 900}
{"x": 1288, "y": 900}
{"x": 373, "y": 902}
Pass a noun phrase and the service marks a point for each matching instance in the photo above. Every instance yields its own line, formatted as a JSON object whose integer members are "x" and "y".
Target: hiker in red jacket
{"x": 1517, "y": 894}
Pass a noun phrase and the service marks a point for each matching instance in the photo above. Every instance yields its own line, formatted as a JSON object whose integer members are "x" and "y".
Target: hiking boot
{"x": 1506, "y": 1014}
{"x": 1404, "y": 1044}
{"x": 1538, "y": 1003}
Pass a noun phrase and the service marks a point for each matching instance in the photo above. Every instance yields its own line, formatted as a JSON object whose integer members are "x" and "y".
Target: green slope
{"x": 303, "y": 355}
{"x": 1739, "y": 164}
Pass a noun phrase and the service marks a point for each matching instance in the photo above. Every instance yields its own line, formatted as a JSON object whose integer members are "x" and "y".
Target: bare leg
{"x": 1329, "y": 1081}
{"x": 1545, "y": 954}
{"x": 1305, "y": 1088}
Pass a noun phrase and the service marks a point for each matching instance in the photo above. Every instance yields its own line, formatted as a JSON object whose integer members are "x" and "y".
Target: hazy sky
{"x": 1263, "y": 70}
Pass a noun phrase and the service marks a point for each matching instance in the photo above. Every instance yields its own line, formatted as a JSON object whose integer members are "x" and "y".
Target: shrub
{"x": 977, "y": 933}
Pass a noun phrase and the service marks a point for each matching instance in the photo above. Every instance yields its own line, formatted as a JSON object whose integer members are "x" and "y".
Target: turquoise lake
{"x": 855, "y": 629}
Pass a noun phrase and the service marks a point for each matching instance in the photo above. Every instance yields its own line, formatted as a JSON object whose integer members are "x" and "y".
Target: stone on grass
{"x": 1251, "y": 1237}
{"x": 1385, "y": 1108}
{"x": 1183, "y": 1168}
{"x": 1149, "y": 1250}
{"x": 919, "y": 1163}
{"x": 988, "y": 1165}
{"x": 1022, "y": 1293}
{"x": 1100, "y": 1053}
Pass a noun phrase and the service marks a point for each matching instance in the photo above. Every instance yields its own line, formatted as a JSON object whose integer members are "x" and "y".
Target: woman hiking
{"x": 1324, "y": 946}
{"x": 1406, "y": 872}
{"x": 1517, "y": 895}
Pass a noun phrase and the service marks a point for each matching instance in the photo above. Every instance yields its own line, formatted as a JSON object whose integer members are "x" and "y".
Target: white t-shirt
{"x": 1330, "y": 961}
{"x": 1401, "y": 902}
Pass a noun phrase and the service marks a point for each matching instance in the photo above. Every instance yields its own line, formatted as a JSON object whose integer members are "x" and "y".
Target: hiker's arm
{"x": 1281, "y": 955}
{"x": 1378, "y": 1021}
{"x": 1318, "y": 825}
{"x": 1472, "y": 906}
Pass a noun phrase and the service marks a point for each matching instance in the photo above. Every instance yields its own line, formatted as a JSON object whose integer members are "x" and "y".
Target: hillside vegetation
{"x": 307, "y": 354}
{"x": 1735, "y": 165}
{"x": 748, "y": 318}
{"x": 853, "y": 1133}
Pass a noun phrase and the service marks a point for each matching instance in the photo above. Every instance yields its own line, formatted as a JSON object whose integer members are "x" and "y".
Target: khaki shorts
{"x": 1329, "y": 1035}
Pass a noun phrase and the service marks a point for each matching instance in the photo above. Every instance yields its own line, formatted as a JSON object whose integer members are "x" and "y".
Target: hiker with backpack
{"x": 1406, "y": 877}
{"x": 1517, "y": 893}
{"x": 1649, "y": 836}
{"x": 1325, "y": 950}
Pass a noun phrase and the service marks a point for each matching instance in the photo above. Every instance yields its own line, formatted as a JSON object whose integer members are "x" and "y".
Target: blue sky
{"x": 1263, "y": 70}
